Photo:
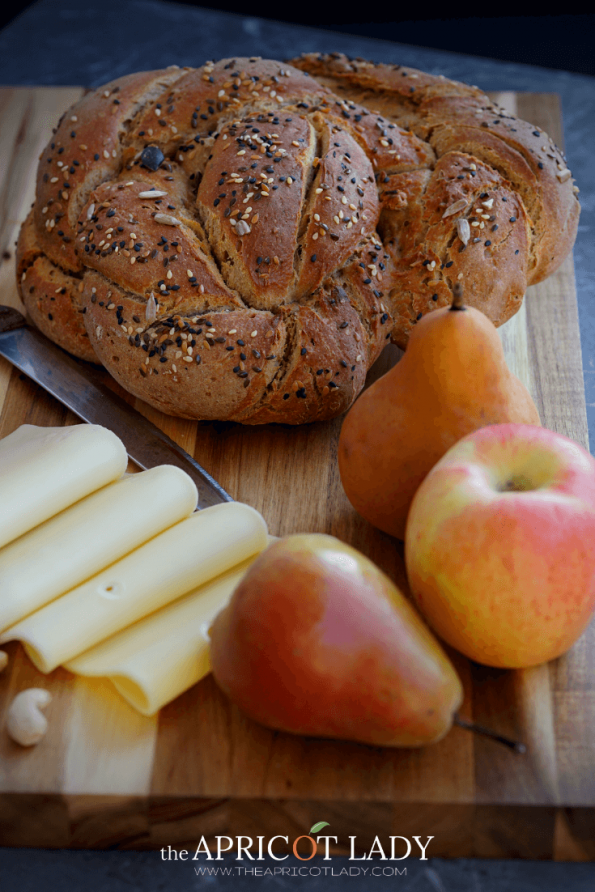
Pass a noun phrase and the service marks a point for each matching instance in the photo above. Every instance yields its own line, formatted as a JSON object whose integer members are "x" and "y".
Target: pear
{"x": 316, "y": 640}
{"x": 452, "y": 380}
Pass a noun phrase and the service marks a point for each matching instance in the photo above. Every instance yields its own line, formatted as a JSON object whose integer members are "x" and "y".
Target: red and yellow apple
{"x": 317, "y": 640}
{"x": 500, "y": 545}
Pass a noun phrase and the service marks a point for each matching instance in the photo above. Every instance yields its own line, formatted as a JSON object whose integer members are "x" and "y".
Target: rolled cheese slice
{"x": 158, "y": 658}
{"x": 90, "y": 536}
{"x": 185, "y": 556}
{"x": 45, "y": 469}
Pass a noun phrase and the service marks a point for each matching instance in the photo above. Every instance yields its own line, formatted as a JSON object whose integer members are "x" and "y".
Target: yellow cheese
{"x": 45, "y": 469}
{"x": 89, "y": 536}
{"x": 160, "y": 657}
{"x": 180, "y": 559}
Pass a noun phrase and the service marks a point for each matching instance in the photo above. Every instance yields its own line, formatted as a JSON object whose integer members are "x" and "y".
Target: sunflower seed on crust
{"x": 455, "y": 207}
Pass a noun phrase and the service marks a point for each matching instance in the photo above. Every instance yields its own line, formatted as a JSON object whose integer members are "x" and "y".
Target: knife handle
{"x": 10, "y": 319}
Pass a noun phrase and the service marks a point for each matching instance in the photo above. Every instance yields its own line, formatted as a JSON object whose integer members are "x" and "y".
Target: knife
{"x": 80, "y": 387}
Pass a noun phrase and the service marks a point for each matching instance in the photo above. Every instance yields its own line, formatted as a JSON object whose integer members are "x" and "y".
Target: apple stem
{"x": 514, "y": 745}
{"x": 457, "y": 299}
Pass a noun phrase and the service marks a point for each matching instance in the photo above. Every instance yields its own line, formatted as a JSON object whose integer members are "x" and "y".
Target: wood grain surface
{"x": 106, "y": 776}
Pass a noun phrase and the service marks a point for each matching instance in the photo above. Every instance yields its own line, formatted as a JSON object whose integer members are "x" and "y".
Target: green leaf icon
{"x": 316, "y": 828}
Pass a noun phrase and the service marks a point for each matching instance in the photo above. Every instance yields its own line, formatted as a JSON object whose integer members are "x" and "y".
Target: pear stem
{"x": 514, "y": 745}
{"x": 457, "y": 299}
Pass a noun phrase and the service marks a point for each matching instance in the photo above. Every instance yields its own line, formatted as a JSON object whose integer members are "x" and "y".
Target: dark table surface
{"x": 69, "y": 42}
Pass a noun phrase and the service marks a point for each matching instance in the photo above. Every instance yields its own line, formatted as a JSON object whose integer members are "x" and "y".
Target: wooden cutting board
{"x": 105, "y": 776}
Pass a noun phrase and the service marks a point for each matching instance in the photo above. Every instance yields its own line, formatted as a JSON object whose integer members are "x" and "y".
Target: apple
{"x": 500, "y": 545}
{"x": 316, "y": 640}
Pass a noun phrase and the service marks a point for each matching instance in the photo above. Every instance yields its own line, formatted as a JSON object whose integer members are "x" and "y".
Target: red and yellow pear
{"x": 316, "y": 640}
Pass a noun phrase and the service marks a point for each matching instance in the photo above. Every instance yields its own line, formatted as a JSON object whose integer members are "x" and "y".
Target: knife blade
{"x": 80, "y": 387}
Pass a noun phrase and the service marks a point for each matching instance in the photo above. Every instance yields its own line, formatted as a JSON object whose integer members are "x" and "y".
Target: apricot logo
{"x": 315, "y": 828}
{"x": 247, "y": 848}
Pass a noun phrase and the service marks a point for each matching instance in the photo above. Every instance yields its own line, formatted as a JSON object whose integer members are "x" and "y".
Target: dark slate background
{"x": 67, "y": 42}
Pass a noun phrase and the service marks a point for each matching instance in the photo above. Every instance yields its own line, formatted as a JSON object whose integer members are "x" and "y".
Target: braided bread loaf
{"x": 239, "y": 241}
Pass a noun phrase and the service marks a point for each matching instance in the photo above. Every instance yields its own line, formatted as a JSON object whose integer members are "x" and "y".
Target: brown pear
{"x": 452, "y": 380}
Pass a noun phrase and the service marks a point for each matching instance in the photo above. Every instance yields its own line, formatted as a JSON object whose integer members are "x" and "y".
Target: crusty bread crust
{"x": 451, "y": 116}
{"x": 239, "y": 241}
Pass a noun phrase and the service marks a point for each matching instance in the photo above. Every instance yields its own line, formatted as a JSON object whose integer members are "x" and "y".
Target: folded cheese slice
{"x": 45, "y": 469}
{"x": 76, "y": 544}
{"x": 178, "y": 560}
{"x": 158, "y": 658}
